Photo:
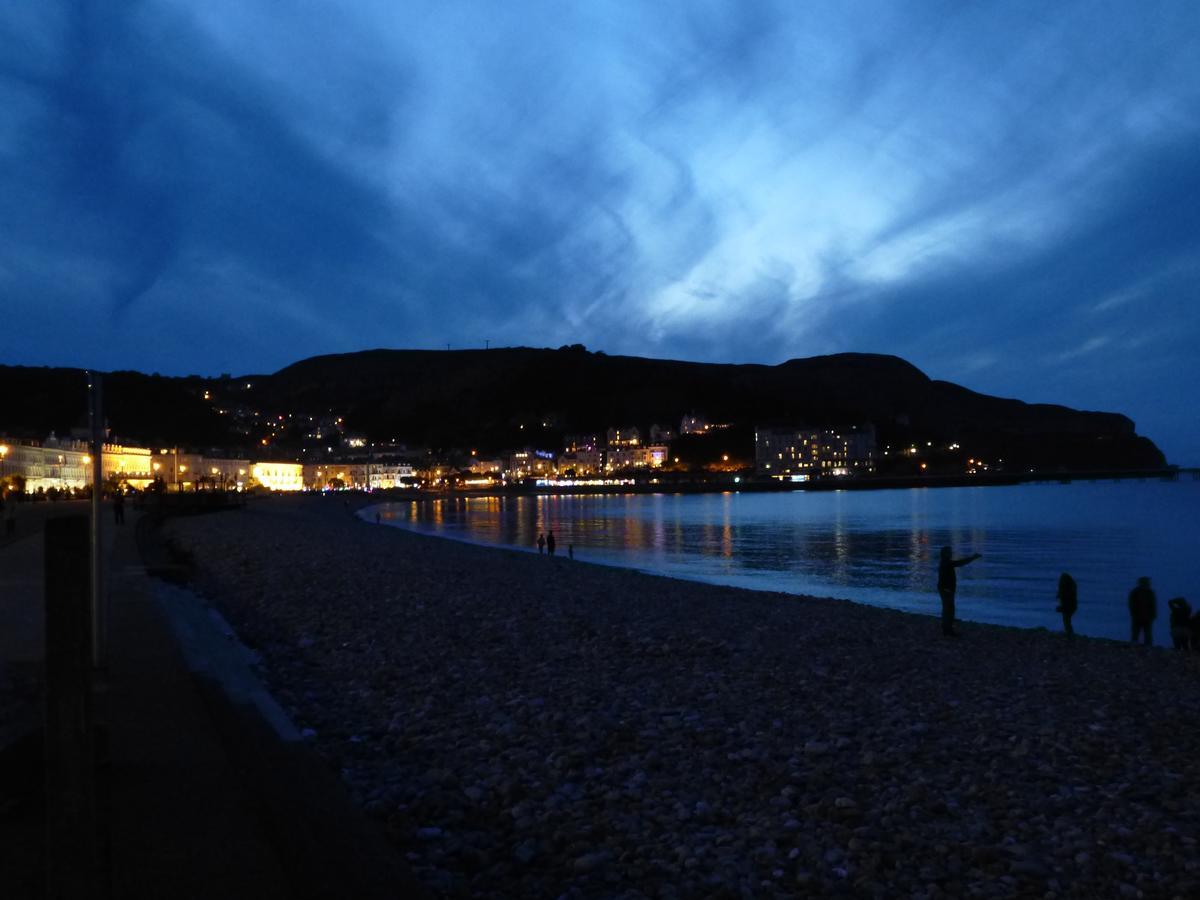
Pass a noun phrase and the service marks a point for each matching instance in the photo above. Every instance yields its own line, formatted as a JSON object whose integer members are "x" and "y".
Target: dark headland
{"x": 500, "y": 399}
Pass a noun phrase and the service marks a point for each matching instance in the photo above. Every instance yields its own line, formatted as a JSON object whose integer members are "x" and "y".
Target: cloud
{"x": 962, "y": 185}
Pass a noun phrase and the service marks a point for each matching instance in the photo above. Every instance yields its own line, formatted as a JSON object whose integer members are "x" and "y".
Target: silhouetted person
{"x": 119, "y": 507}
{"x": 570, "y": 551}
{"x": 1143, "y": 607}
{"x": 541, "y": 542}
{"x": 1181, "y": 623}
{"x": 550, "y": 543}
{"x": 10, "y": 515}
{"x": 948, "y": 584}
{"x": 1068, "y": 600}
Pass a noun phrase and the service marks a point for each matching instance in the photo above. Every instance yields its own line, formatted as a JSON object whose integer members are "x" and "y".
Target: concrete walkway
{"x": 207, "y": 791}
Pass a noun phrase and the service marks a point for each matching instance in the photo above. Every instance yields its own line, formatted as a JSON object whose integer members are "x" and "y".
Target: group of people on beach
{"x": 546, "y": 544}
{"x": 1143, "y": 606}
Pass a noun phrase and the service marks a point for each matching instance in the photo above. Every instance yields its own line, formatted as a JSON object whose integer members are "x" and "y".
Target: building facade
{"x": 801, "y": 454}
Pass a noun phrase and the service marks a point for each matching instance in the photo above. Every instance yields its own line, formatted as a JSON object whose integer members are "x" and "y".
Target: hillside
{"x": 482, "y": 398}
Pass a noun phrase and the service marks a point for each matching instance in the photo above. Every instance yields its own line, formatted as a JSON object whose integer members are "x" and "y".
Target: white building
{"x": 389, "y": 475}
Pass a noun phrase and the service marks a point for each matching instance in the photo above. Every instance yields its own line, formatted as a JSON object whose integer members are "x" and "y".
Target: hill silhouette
{"x": 482, "y": 398}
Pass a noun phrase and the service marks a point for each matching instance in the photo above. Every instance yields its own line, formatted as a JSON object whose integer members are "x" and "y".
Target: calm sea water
{"x": 877, "y": 547}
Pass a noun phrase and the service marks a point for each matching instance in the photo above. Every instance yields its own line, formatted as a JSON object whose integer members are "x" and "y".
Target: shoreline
{"x": 531, "y": 726}
{"x": 749, "y": 484}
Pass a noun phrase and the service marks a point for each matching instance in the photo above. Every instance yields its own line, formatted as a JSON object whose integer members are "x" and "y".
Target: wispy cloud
{"x": 958, "y": 184}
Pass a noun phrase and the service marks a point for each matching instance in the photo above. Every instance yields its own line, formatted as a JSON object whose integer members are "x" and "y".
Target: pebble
{"x": 584, "y": 731}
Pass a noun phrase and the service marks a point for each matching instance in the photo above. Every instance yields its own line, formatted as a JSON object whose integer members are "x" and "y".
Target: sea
{"x": 872, "y": 546}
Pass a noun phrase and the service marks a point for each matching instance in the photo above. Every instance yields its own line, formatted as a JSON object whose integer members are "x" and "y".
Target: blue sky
{"x": 1007, "y": 194}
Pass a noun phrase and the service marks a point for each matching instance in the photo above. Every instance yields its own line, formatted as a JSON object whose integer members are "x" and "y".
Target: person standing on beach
{"x": 550, "y": 542}
{"x": 948, "y": 585}
{"x": 541, "y": 542}
{"x": 1143, "y": 608}
{"x": 1068, "y": 601}
{"x": 1181, "y": 623}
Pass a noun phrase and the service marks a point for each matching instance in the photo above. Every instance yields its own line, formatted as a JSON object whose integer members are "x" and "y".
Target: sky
{"x": 1005, "y": 194}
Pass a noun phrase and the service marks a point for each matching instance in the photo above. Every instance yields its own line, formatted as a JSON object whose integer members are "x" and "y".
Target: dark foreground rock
{"x": 535, "y": 727}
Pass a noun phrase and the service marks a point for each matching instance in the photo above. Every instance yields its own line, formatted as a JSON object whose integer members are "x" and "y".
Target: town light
{"x": 156, "y": 466}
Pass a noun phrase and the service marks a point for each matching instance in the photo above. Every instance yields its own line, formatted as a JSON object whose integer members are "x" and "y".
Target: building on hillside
{"x": 573, "y": 443}
{"x": 486, "y": 466}
{"x": 582, "y": 461}
{"x": 801, "y": 454}
{"x": 530, "y": 463}
{"x": 693, "y": 423}
{"x": 624, "y": 437}
{"x": 651, "y": 456}
{"x": 660, "y": 435}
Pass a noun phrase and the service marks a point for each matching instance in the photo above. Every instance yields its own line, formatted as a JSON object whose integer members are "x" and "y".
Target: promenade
{"x": 204, "y": 787}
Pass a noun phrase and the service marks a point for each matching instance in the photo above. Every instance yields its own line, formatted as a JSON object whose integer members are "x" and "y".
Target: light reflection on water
{"x": 877, "y": 547}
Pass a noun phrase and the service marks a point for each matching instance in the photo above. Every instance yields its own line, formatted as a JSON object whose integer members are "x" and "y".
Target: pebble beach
{"x": 526, "y": 726}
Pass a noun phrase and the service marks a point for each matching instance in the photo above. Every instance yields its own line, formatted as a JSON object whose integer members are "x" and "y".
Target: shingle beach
{"x": 537, "y": 727}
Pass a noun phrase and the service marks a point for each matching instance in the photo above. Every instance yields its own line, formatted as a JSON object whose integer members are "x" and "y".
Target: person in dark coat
{"x": 1068, "y": 601}
{"x": 550, "y": 542}
{"x": 541, "y": 542}
{"x": 948, "y": 585}
{"x": 1181, "y": 623}
{"x": 1143, "y": 608}
{"x": 119, "y": 507}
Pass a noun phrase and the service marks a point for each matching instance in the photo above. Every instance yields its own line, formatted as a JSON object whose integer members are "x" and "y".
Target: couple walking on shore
{"x": 546, "y": 543}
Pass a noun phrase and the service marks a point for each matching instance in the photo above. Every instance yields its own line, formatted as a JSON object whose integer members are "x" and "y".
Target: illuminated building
{"x": 530, "y": 463}
{"x": 279, "y": 476}
{"x": 582, "y": 461}
{"x": 390, "y": 475}
{"x": 44, "y": 465}
{"x": 652, "y": 456}
{"x": 230, "y": 474}
{"x": 624, "y": 437}
{"x": 126, "y": 465}
{"x": 800, "y": 454}
{"x": 491, "y": 466}
{"x": 573, "y": 443}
